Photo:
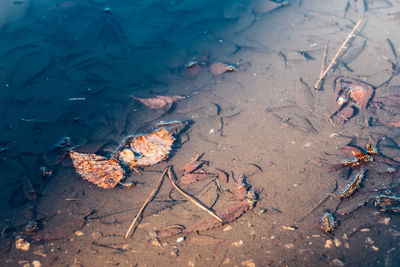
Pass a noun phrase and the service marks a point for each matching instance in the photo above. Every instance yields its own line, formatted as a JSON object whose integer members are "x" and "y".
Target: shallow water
{"x": 69, "y": 69}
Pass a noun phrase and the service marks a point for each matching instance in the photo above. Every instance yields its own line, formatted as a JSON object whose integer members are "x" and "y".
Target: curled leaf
{"x": 103, "y": 172}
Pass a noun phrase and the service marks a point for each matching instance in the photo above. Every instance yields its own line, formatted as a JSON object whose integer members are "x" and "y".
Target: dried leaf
{"x": 222, "y": 175}
{"x": 219, "y": 68}
{"x": 153, "y": 147}
{"x": 103, "y": 172}
{"x": 193, "y": 165}
{"x": 159, "y": 102}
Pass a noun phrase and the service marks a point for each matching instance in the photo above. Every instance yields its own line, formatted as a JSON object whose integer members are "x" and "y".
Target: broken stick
{"x": 340, "y": 50}
{"x": 149, "y": 198}
{"x": 319, "y": 203}
{"x": 198, "y": 204}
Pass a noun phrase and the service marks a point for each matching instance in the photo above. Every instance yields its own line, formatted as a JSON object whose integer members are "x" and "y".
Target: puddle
{"x": 74, "y": 75}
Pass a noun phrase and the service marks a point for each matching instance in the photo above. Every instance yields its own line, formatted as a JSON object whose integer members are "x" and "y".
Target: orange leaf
{"x": 153, "y": 147}
{"x": 103, "y": 172}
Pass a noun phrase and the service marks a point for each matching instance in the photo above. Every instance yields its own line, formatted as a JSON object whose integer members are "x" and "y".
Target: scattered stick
{"x": 340, "y": 50}
{"x": 319, "y": 203}
{"x": 149, "y": 198}
{"x": 191, "y": 198}
{"x": 323, "y": 60}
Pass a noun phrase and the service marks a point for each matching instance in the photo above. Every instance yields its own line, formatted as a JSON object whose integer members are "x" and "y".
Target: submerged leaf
{"x": 153, "y": 147}
{"x": 103, "y": 172}
{"x": 159, "y": 102}
{"x": 219, "y": 68}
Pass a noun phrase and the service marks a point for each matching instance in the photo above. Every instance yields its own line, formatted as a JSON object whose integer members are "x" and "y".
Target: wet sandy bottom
{"x": 274, "y": 131}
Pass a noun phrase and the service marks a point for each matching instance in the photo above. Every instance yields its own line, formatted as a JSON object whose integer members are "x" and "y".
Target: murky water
{"x": 71, "y": 68}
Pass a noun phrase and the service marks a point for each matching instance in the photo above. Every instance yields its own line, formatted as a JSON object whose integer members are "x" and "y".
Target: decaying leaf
{"x": 153, "y": 148}
{"x": 159, "y": 101}
{"x": 360, "y": 93}
{"x": 219, "y": 68}
{"x": 193, "y": 165}
{"x": 103, "y": 172}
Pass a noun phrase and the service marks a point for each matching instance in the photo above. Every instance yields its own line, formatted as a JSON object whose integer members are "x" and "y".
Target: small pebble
{"x": 97, "y": 235}
{"x": 249, "y": 263}
{"x": 338, "y": 263}
{"x": 337, "y": 242}
{"x": 289, "y": 228}
{"x": 384, "y": 221}
{"x": 79, "y": 233}
{"x": 307, "y": 144}
{"x": 21, "y": 244}
{"x": 180, "y": 239}
{"x": 365, "y": 230}
{"x": 191, "y": 263}
{"x": 289, "y": 246}
{"x": 228, "y": 228}
{"x": 374, "y": 248}
{"x": 328, "y": 243}
{"x": 156, "y": 242}
{"x": 36, "y": 264}
{"x": 346, "y": 245}
{"x": 369, "y": 240}
{"x": 226, "y": 260}
{"x": 238, "y": 243}
{"x": 345, "y": 237}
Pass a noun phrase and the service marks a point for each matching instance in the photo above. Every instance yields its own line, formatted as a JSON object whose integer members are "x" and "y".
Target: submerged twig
{"x": 149, "y": 198}
{"x": 198, "y": 204}
{"x": 319, "y": 203}
{"x": 324, "y": 59}
{"x": 340, "y": 50}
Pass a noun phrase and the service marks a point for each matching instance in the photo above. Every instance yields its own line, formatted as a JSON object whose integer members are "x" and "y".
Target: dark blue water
{"x": 68, "y": 68}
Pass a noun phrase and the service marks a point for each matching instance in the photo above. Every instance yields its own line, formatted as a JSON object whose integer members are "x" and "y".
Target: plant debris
{"x": 152, "y": 148}
{"x": 103, "y": 172}
{"x": 159, "y": 101}
{"x": 219, "y": 68}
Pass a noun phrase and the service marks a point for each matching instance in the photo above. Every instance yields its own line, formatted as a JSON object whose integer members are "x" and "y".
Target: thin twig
{"x": 149, "y": 198}
{"x": 340, "y": 50}
{"x": 191, "y": 198}
{"x": 319, "y": 203}
{"x": 324, "y": 59}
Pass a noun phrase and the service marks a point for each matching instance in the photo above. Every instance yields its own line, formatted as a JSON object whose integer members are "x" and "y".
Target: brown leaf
{"x": 360, "y": 93}
{"x": 345, "y": 114}
{"x": 159, "y": 102}
{"x": 103, "y": 172}
{"x": 219, "y": 68}
{"x": 194, "y": 70}
{"x": 222, "y": 175}
{"x": 193, "y": 165}
{"x": 153, "y": 147}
